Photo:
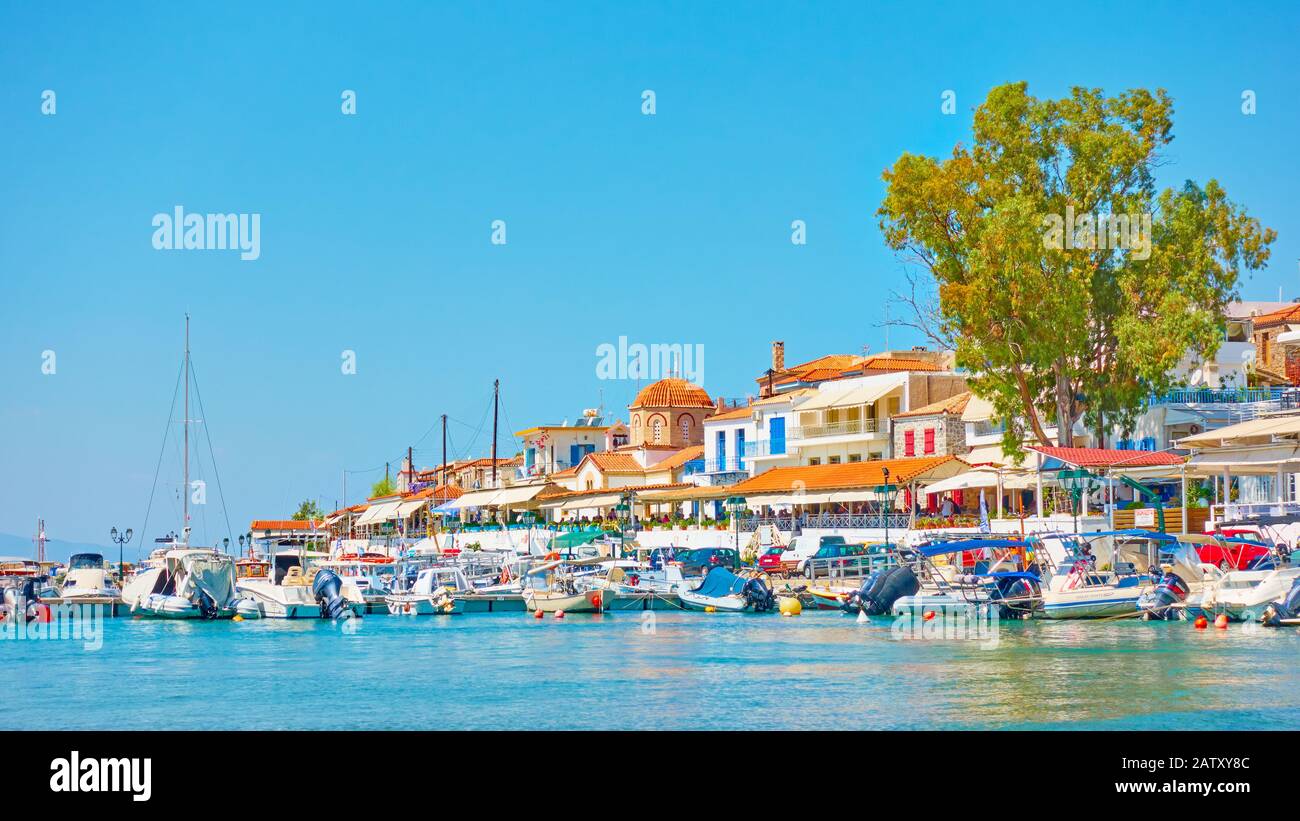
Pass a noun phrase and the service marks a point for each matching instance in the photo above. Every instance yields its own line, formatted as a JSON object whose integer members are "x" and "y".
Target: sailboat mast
{"x": 496, "y": 392}
{"x": 186, "y": 521}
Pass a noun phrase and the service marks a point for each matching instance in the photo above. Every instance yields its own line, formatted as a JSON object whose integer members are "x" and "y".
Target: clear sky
{"x": 376, "y": 228}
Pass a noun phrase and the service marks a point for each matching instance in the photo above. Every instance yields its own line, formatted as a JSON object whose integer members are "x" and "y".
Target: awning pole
{"x": 1184, "y": 498}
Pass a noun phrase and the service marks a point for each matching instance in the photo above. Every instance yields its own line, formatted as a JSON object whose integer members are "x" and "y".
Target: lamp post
{"x": 735, "y": 504}
{"x": 1076, "y": 482}
{"x": 121, "y": 539}
{"x": 886, "y": 492}
{"x": 241, "y": 544}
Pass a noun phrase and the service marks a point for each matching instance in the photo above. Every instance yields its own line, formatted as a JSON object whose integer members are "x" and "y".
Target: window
{"x": 834, "y": 460}
{"x": 855, "y": 457}
{"x": 657, "y": 430}
{"x": 929, "y": 441}
{"x": 909, "y": 443}
{"x": 685, "y": 422}
{"x": 721, "y": 454}
{"x": 815, "y": 460}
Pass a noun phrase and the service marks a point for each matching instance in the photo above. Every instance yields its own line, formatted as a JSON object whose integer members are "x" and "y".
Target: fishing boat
{"x": 191, "y": 583}
{"x": 562, "y": 588}
{"x": 724, "y": 591}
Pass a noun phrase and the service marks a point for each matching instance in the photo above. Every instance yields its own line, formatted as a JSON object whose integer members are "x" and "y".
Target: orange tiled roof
{"x": 614, "y": 462}
{"x": 283, "y": 524}
{"x": 738, "y": 413}
{"x": 560, "y": 474}
{"x": 1102, "y": 457}
{"x": 1281, "y": 316}
{"x": 444, "y": 492}
{"x": 846, "y": 475}
{"x": 897, "y": 363}
{"x": 601, "y": 491}
{"x": 952, "y": 405}
{"x": 679, "y": 458}
{"x": 672, "y": 393}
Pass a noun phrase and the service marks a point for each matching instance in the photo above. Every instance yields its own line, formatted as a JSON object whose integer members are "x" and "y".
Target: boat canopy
{"x": 1134, "y": 532}
{"x": 961, "y": 545}
{"x": 719, "y": 582}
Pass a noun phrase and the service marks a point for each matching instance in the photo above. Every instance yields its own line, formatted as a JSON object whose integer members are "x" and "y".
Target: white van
{"x": 805, "y": 547}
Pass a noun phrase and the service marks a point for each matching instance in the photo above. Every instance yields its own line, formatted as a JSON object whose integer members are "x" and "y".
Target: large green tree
{"x": 1067, "y": 284}
{"x": 308, "y": 510}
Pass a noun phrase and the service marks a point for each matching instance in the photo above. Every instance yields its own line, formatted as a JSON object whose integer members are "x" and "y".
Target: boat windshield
{"x": 86, "y": 561}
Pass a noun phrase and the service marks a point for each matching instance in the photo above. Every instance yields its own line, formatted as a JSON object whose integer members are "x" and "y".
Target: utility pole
{"x": 410, "y": 467}
{"x": 496, "y": 392}
{"x": 444, "y": 449}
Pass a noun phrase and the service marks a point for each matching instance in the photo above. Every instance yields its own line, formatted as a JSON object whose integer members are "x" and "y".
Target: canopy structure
{"x": 981, "y": 478}
{"x": 520, "y": 496}
{"x": 862, "y": 392}
{"x": 475, "y": 498}
{"x": 849, "y": 481}
{"x": 686, "y": 494}
{"x": 575, "y": 538}
{"x": 1264, "y": 431}
{"x": 379, "y": 512}
{"x": 405, "y": 509}
{"x": 589, "y": 502}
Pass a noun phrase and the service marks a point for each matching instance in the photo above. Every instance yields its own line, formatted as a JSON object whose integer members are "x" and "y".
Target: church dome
{"x": 672, "y": 393}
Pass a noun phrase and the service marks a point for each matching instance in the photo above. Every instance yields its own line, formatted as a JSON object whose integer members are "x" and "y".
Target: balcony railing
{"x": 1221, "y": 396}
{"x": 763, "y": 447}
{"x": 849, "y": 427}
{"x": 893, "y": 521}
{"x": 725, "y": 465}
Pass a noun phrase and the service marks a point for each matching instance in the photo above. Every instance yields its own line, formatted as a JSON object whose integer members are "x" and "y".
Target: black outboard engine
{"x": 1016, "y": 596}
{"x": 207, "y": 606}
{"x": 1288, "y": 608}
{"x": 881, "y": 589}
{"x": 1159, "y": 602}
{"x": 758, "y": 595}
{"x": 327, "y": 587}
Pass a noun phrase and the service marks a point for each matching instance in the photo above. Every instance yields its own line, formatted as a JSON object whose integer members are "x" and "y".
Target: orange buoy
{"x": 559, "y": 614}
{"x": 595, "y": 600}
{"x": 1201, "y": 623}
{"x": 43, "y": 613}
{"x": 929, "y": 615}
{"x": 537, "y": 614}
{"x": 1221, "y": 621}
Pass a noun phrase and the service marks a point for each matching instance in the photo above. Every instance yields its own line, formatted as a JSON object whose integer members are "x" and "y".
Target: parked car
{"x": 770, "y": 561}
{"x": 1232, "y": 553}
{"x": 829, "y": 557}
{"x": 697, "y": 562}
{"x": 803, "y": 547}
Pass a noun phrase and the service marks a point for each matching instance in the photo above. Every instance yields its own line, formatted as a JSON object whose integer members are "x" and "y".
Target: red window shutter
{"x": 929, "y": 440}
{"x": 909, "y": 443}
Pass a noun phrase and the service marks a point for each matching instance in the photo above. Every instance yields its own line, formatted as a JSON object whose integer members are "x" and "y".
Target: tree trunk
{"x": 1101, "y": 429}
{"x": 1064, "y": 412}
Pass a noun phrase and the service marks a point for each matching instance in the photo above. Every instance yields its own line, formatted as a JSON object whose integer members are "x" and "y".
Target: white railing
{"x": 847, "y": 428}
{"x": 1235, "y": 511}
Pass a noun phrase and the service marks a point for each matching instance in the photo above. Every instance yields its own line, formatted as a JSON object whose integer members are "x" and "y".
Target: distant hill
{"x": 56, "y": 549}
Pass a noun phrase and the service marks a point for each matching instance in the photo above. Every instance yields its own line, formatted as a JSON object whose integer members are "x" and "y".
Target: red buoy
{"x": 559, "y": 614}
{"x": 1221, "y": 621}
{"x": 929, "y": 615}
{"x": 1201, "y": 623}
{"x": 537, "y": 614}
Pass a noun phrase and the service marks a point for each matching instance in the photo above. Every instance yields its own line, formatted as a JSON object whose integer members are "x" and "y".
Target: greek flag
{"x": 984, "y": 513}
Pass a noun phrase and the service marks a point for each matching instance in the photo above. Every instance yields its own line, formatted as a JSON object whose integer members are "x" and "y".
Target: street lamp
{"x": 735, "y": 504}
{"x": 885, "y": 491}
{"x": 225, "y": 545}
{"x": 120, "y": 539}
{"x": 1076, "y": 483}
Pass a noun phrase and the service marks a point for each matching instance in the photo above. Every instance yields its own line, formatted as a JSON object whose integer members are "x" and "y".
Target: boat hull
{"x": 723, "y": 604}
{"x": 1089, "y": 605}
{"x": 588, "y": 601}
{"x": 419, "y": 605}
{"x": 491, "y": 603}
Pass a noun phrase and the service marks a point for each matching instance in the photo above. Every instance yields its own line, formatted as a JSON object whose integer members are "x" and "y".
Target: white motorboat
{"x": 1242, "y": 595}
{"x": 365, "y": 580}
{"x": 430, "y": 595}
{"x": 88, "y": 583}
{"x": 191, "y": 583}
{"x": 1077, "y": 589}
{"x": 283, "y": 587}
{"x": 997, "y": 579}
{"x": 724, "y": 591}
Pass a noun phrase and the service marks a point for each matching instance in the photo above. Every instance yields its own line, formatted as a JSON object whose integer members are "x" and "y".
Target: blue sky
{"x": 375, "y": 228}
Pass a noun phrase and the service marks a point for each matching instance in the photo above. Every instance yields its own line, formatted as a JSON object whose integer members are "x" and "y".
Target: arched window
{"x": 656, "y": 430}
{"x": 685, "y": 422}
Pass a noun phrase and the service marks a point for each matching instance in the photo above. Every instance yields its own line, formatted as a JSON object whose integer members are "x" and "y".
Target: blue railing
{"x": 1220, "y": 396}
{"x": 725, "y": 465}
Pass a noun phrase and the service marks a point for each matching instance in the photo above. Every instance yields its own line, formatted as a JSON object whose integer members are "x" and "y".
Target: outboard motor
{"x": 207, "y": 606}
{"x": 1159, "y": 601}
{"x": 1016, "y": 596}
{"x": 881, "y": 589}
{"x": 758, "y": 595}
{"x": 1288, "y": 608}
{"x": 327, "y": 587}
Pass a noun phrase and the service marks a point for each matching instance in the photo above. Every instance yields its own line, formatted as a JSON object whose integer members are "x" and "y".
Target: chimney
{"x": 778, "y": 356}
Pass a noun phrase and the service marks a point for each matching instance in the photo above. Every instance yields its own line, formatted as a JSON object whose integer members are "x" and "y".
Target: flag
{"x": 984, "y": 513}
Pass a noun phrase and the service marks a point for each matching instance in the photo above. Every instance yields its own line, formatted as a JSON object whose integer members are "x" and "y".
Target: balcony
{"x": 850, "y": 427}
{"x": 763, "y": 447}
{"x": 725, "y": 465}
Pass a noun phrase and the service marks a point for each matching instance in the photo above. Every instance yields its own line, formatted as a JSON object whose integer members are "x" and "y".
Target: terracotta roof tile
{"x": 614, "y": 462}
{"x": 679, "y": 458}
{"x": 1101, "y": 457}
{"x": 672, "y": 393}
{"x": 283, "y": 524}
{"x": 1281, "y": 316}
{"x": 846, "y": 475}
{"x": 737, "y": 413}
{"x": 952, "y": 405}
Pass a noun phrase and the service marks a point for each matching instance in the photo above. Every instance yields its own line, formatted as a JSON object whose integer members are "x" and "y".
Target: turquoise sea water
{"x": 617, "y": 671}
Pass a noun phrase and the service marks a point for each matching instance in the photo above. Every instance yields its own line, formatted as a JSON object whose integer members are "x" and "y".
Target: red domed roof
{"x": 672, "y": 393}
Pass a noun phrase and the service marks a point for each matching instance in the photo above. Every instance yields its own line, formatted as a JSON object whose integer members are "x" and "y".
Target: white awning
{"x": 1255, "y": 432}
{"x": 861, "y": 392}
{"x": 514, "y": 496}
{"x": 981, "y": 478}
{"x": 381, "y": 512}
{"x": 405, "y": 509}
{"x": 1265, "y": 460}
{"x": 475, "y": 498}
{"x": 987, "y": 455}
{"x": 587, "y": 502}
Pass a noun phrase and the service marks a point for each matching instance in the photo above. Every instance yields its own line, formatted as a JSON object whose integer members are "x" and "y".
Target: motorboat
{"x": 1078, "y": 588}
{"x": 190, "y": 583}
{"x": 365, "y": 580}
{"x": 559, "y": 585}
{"x": 285, "y": 588}
{"x": 631, "y": 585}
{"x": 430, "y": 595}
{"x": 957, "y": 574}
{"x": 1285, "y": 612}
{"x": 20, "y": 584}
{"x": 88, "y": 583}
{"x": 1242, "y": 595}
{"x": 724, "y": 591}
